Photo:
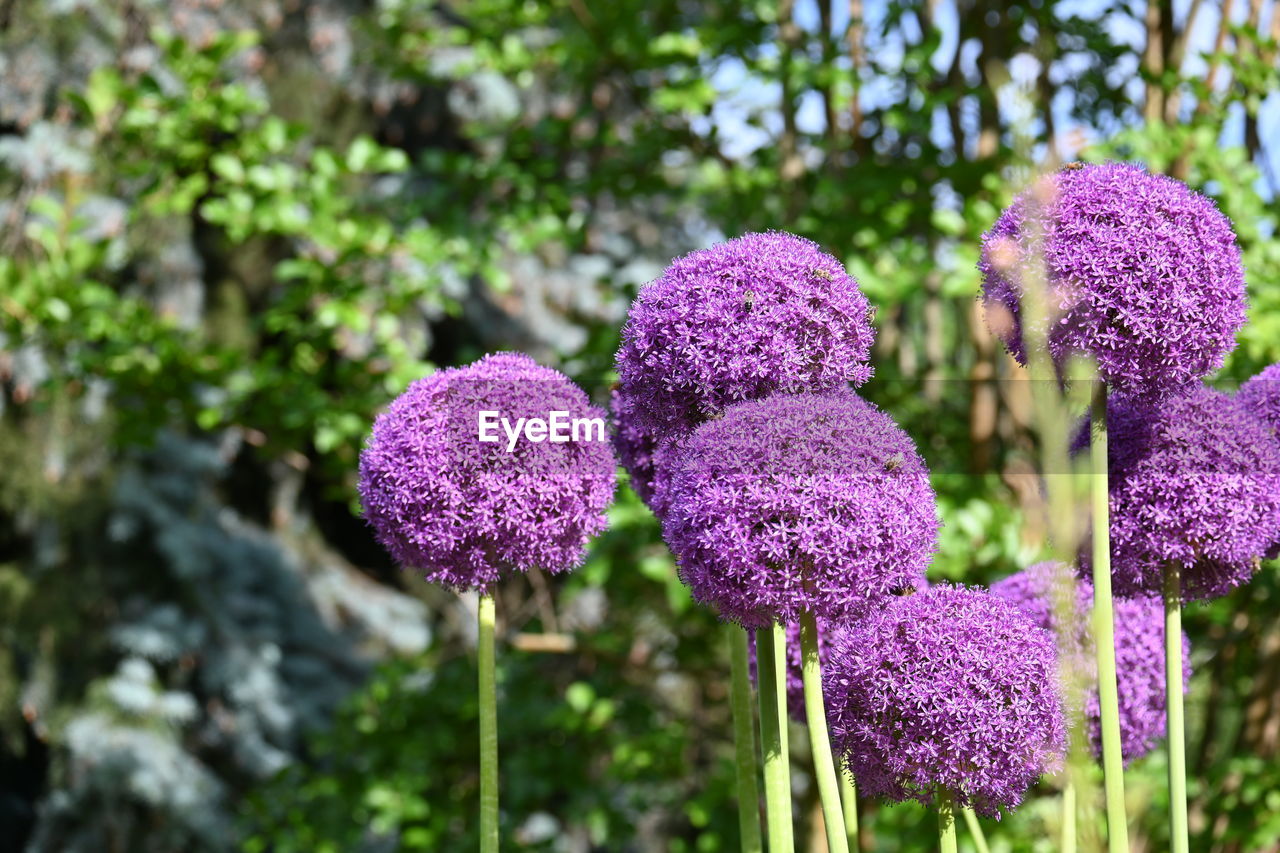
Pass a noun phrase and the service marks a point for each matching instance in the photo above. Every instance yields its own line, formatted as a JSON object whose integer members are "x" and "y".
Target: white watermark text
{"x": 557, "y": 427}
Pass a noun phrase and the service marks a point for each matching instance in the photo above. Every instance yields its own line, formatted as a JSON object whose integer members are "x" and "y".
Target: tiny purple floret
{"x": 645, "y": 458}
{"x": 828, "y": 632}
{"x": 1260, "y": 395}
{"x": 1195, "y": 479}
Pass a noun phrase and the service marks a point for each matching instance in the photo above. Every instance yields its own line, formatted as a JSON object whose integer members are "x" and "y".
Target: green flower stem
{"x": 1104, "y": 631}
{"x": 946, "y": 823}
{"x": 1173, "y": 708}
{"x": 744, "y": 741}
{"x": 1054, "y": 411}
{"x": 975, "y": 831}
{"x": 849, "y": 801}
{"x": 1069, "y": 816}
{"x": 824, "y": 768}
{"x": 771, "y": 661}
{"x": 488, "y": 695}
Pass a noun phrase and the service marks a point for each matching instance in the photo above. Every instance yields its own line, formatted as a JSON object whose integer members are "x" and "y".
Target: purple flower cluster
{"x": 949, "y": 689}
{"x": 1145, "y": 275}
{"x": 466, "y": 511}
{"x": 795, "y": 503}
{"x": 1139, "y": 645}
{"x": 1193, "y": 479}
{"x": 1260, "y": 395}
{"x": 642, "y": 454}
{"x": 739, "y": 321}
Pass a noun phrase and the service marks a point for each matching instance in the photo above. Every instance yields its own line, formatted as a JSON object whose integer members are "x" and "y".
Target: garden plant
{"x": 646, "y": 425}
{"x": 787, "y": 499}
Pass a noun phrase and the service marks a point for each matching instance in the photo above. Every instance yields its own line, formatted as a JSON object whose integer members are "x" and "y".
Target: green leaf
{"x": 102, "y": 93}
{"x": 48, "y": 207}
{"x": 361, "y": 153}
{"x": 228, "y": 167}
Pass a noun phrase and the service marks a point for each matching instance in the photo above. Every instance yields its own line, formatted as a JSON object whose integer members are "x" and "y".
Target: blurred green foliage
{"x": 323, "y": 351}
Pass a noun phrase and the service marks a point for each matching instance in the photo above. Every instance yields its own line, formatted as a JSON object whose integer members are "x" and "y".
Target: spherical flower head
{"x": 1139, "y": 647}
{"x": 1194, "y": 479}
{"x": 1144, "y": 275}
{"x": 739, "y": 321}
{"x": 1260, "y": 395}
{"x": 812, "y": 503}
{"x": 465, "y": 510}
{"x": 951, "y": 689}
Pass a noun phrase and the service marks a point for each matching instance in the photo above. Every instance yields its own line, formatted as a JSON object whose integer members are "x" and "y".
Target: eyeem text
{"x": 557, "y": 427}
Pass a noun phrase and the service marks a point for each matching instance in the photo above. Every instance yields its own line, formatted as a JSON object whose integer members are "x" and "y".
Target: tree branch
{"x": 790, "y": 166}
{"x": 1153, "y": 61}
{"x": 1177, "y": 55}
{"x": 825, "y": 87}
{"x": 856, "y": 35}
{"x": 1215, "y": 64}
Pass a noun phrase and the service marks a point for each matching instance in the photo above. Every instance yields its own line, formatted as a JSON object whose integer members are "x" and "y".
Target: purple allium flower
{"x": 1145, "y": 274}
{"x": 739, "y": 321}
{"x": 464, "y": 510}
{"x": 1194, "y": 478}
{"x": 1260, "y": 395}
{"x": 952, "y": 689}
{"x": 645, "y": 458}
{"x": 1139, "y": 642}
{"x": 795, "y": 503}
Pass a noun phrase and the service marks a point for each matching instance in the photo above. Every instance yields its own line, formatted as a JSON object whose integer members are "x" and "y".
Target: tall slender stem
{"x": 849, "y": 802}
{"x": 975, "y": 831}
{"x": 1069, "y": 816}
{"x": 1104, "y": 631}
{"x": 946, "y": 823}
{"x": 1173, "y": 708}
{"x": 771, "y": 661}
{"x": 744, "y": 742}
{"x": 824, "y": 769}
{"x": 488, "y": 695}
{"x": 1055, "y": 411}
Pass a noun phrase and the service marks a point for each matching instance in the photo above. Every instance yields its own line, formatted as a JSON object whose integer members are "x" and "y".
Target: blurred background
{"x": 232, "y": 230}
